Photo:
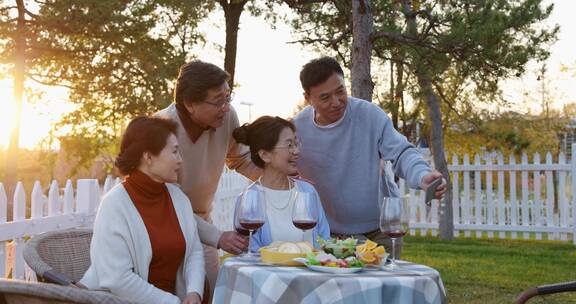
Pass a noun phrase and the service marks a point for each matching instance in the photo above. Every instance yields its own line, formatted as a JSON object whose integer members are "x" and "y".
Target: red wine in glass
{"x": 251, "y": 225}
{"x": 394, "y": 221}
{"x": 251, "y": 215}
{"x": 242, "y": 231}
{"x": 395, "y": 233}
{"x": 304, "y": 224}
{"x": 304, "y": 212}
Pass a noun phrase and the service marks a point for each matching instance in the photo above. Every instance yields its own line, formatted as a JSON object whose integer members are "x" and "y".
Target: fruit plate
{"x": 327, "y": 269}
{"x": 383, "y": 262}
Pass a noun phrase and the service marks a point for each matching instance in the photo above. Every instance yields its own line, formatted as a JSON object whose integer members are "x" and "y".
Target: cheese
{"x": 289, "y": 248}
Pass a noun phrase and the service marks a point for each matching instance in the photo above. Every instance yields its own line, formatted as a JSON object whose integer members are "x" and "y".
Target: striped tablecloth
{"x": 244, "y": 282}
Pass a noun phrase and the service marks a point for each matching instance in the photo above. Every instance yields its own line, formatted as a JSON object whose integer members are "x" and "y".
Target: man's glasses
{"x": 292, "y": 146}
{"x": 221, "y": 103}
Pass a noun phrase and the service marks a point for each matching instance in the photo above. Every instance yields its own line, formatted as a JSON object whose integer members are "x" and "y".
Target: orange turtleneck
{"x": 154, "y": 204}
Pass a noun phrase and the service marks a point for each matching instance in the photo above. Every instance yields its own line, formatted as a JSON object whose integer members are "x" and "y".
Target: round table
{"x": 245, "y": 282}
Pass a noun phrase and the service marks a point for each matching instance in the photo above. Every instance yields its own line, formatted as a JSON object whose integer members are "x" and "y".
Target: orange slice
{"x": 361, "y": 248}
{"x": 368, "y": 258}
{"x": 379, "y": 250}
{"x": 370, "y": 245}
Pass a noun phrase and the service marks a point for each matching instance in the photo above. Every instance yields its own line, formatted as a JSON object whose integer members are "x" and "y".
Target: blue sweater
{"x": 263, "y": 236}
{"x": 343, "y": 162}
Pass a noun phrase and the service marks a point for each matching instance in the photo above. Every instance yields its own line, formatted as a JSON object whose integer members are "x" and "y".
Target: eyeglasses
{"x": 221, "y": 103}
{"x": 292, "y": 146}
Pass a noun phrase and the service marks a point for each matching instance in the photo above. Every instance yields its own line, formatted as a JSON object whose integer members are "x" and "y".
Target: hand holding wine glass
{"x": 394, "y": 219}
{"x": 304, "y": 214}
{"x": 239, "y": 229}
{"x": 251, "y": 214}
{"x": 235, "y": 243}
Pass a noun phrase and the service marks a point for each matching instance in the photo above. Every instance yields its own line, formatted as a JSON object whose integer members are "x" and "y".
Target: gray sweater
{"x": 343, "y": 162}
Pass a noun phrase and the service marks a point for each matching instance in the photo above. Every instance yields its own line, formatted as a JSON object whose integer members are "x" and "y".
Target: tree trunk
{"x": 437, "y": 147}
{"x": 393, "y": 102}
{"x": 11, "y": 174}
{"x": 399, "y": 92}
{"x": 362, "y": 23}
{"x": 436, "y": 137}
{"x": 232, "y": 13}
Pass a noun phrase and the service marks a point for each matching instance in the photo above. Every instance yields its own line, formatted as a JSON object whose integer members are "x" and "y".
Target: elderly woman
{"x": 275, "y": 148}
{"x": 145, "y": 246}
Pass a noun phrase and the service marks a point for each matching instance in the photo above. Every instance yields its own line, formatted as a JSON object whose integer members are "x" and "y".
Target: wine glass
{"x": 304, "y": 214}
{"x": 251, "y": 215}
{"x": 239, "y": 229}
{"x": 394, "y": 219}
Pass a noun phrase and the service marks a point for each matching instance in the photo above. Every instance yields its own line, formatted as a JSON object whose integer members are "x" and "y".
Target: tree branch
{"x": 327, "y": 42}
{"x": 6, "y": 8}
{"x": 296, "y": 3}
{"x": 440, "y": 92}
{"x": 59, "y": 51}
{"x": 29, "y": 13}
{"x": 381, "y": 55}
{"x": 224, "y": 4}
{"x": 399, "y": 38}
{"x": 52, "y": 82}
{"x": 343, "y": 58}
{"x": 181, "y": 36}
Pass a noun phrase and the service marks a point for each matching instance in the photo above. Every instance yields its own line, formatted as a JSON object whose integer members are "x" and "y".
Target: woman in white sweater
{"x": 145, "y": 246}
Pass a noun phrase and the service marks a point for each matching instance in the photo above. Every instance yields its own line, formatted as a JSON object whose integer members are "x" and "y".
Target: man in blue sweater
{"x": 344, "y": 140}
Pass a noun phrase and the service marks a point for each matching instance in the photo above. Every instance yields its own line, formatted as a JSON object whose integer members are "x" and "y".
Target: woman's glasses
{"x": 292, "y": 146}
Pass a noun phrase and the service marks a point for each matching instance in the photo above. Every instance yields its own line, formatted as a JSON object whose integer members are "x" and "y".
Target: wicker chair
{"x": 60, "y": 257}
{"x": 545, "y": 290}
{"x": 21, "y": 292}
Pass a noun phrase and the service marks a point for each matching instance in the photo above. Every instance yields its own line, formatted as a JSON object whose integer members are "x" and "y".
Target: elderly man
{"x": 344, "y": 140}
{"x": 205, "y": 121}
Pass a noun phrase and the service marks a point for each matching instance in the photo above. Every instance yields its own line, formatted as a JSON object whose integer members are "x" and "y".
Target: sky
{"x": 267, "y": 69}
{"x": 562, "y": 53}
{"x": 267, "y": 66}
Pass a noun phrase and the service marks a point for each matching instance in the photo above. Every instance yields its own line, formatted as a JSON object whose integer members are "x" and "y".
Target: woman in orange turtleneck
{"x": 145, "y": 246}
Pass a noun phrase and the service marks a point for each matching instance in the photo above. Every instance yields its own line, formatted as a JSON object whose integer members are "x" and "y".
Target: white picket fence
{"x": 61, "y": 209}
{"x": 529, "y": 200}
{"x": 230, "y": 186}
{"x": 69, "y": 208}
{"x": 491, "y": 197}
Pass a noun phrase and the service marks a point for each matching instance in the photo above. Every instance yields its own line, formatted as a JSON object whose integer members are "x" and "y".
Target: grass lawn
{"x": 495, "y": 271}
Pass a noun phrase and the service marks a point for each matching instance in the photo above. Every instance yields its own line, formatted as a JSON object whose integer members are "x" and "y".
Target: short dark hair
{"x": 195, "y": 79}
{"x": 317, "y": 71}
{"x": 262, "y": 134}
{"x": 143, "y": 134}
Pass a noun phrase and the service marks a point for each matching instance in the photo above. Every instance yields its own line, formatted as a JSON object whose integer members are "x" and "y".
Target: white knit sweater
{"x": 121, "y": 252}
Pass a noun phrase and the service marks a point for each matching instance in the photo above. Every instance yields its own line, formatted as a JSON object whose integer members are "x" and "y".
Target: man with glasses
{"x": 344, "y": 140}
{"x": 205, "y": 121}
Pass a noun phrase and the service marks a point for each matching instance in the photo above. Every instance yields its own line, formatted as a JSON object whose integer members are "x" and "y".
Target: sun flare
{"x": 37, "y": 118}
{"x": 7, "y": 116}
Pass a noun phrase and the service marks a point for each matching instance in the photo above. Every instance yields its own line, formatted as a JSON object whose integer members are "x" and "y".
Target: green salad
{"x": 339, "y": 248}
